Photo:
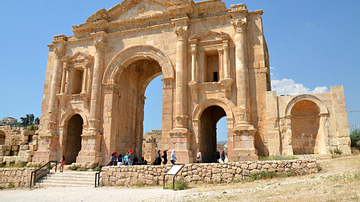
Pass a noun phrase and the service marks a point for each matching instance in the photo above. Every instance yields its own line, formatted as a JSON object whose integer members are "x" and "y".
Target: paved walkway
{"x": 85, "y": 194}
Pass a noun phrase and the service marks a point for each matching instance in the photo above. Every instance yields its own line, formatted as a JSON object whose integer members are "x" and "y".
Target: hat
{"x": 114, "y": 152}
{"x": 130, "y": 151}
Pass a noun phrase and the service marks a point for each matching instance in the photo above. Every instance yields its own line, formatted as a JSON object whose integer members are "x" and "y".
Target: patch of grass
{"x": 83, "y": 169}
{"x": 180, "y": 184}
{"x": 73, "y": 167}
{"x": 10, "y": 185}
{"x": 97, "y": 168}
{"x": 336, "y": 151}
{"x": 277, "y": 158}
{"x": 137, "y": 183}
{"x": 355, "y": 151}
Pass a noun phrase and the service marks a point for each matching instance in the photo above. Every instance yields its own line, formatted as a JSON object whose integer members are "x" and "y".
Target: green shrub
{"x": 10, "y": 185}
{"x": 83, "y": 169}
{"x": 97, "y": 168}
{"x": 180, "y": 184}
{"x": 73, "y": 167}
{"x": 336, "y": 151}
{"x": 137, "y": 183}
{"x": 355, "y": 139}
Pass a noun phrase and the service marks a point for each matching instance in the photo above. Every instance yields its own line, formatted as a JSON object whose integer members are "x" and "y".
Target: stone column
{"x": 241, "y": 70}
{"x": 227, "y": 81}
{"x": 83, "y": 90}
{"x": 59, "y": 54}
{"x": 244, "y": 133}
{"x": 91, "y": 139}
{"x": 48, "y": 138}
{"x": 194, "y": 85}
{"x": 100, "y": 45}
{"x": 63, "y": 79}
{"x": 181, "y": 78}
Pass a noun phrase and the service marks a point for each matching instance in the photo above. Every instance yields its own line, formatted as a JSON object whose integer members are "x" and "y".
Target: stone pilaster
{"x": 181, "y": 78}
{"x": 91, "y": 139}
{"x": 227, "y": 81}
{"x": 244, "y": 132}
{"x": 194, "y": 85}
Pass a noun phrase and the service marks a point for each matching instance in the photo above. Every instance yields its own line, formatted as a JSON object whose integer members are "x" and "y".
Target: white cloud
{"x": 272, "y": 67}
{"x": 289, "y": 87}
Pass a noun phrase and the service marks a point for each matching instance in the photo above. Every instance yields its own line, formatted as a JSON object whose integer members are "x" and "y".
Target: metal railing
{"x": 97, "y": 178}
{"x": 41, "y": 172}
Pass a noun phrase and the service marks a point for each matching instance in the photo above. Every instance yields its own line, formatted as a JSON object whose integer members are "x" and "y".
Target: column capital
{"x": 59, "y": 52}
{"x": 193, "y": 49}
{"x": 182, "y": 32}
{"x": 100, "y": 45}
{"x": 239, "y": 25}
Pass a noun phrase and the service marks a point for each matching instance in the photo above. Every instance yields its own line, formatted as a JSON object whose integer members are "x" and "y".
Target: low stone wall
{"x": 19, "y": 177}
{"x": 202, "y": 172}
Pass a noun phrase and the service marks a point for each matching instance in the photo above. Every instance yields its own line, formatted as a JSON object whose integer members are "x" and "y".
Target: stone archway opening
{"x": 2, "y": 137}
{"x": 129, "y": 106}
{"x": 208, "y": 132}
{"x": 72, "y": 140}
{"x": 305, "y": 123}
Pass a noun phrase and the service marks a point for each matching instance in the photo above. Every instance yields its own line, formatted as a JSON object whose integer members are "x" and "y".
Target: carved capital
{"x": 182, "y": 32}
{"x": 60, "y": 52}
{"x": 100, "y": 45}
{"x": 239, "y": 25}
{"x": 193, "y": 49}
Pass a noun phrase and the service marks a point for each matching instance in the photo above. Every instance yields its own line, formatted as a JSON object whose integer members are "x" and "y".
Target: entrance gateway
{"x": 215, "y": 63}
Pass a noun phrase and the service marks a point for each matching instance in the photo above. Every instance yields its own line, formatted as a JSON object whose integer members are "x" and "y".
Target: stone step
{"x": 68, "y": 179}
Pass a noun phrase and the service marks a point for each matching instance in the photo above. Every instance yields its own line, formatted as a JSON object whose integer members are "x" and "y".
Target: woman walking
{"x": 173, "y": 157}
{"x": 164, "y": 156}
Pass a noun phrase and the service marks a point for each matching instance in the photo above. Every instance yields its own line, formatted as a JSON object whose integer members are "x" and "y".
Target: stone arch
{"x": 65, "y": 117}
{"x": 132, "y": 54}
{"x": 317, "y": 101}
{"x": 312, "y": 138}
{"x": 2, "y": 137}
{"x": 205, "y": 118}
{"x": 212, "y": 102}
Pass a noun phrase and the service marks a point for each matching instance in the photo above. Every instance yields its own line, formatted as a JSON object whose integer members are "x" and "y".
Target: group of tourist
{"x": 129, "y": 158}
{"x": 158, "y": 157}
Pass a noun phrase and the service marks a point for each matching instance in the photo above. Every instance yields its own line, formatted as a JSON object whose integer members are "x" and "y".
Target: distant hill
{"x": 222, "y": 142}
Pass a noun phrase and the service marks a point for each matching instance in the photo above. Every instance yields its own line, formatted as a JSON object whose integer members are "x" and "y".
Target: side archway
{"x": 205, "y": 118}
{"x": 307, "y": 117}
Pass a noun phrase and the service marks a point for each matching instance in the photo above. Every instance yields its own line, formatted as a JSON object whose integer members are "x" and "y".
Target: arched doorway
{"x": 2, "y": 137}
{"x": 129, "y": 105}
{"x": 72, "y": 138}
{"x": 208, "y": 133}
{"x": 305, "y": 122}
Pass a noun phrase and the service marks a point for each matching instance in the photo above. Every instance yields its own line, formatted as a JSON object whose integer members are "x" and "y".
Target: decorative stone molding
{"x": 239, "y": 25}
{"x": 227, "y": 82}
{"x": 182, "y": 32}
{"x": 194, "y": 89}
{"x": 59, "y": 52}
{"x": 100, "y": 45}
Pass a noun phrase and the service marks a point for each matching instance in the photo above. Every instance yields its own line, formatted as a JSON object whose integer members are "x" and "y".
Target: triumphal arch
{"x": 215, "y": 63}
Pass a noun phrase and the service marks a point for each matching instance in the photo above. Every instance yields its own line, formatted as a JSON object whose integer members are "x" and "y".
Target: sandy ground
{"x": 339, "y": 180}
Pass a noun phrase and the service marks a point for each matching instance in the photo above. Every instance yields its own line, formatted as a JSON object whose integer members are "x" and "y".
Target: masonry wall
{"x": 204, "y": 172}
{"x": 19, "y": 177}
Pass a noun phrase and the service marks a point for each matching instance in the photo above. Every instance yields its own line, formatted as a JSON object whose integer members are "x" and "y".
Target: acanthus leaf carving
{"x": 60, "y": 52}
{"x": 100, "y": 45}
{"x": 239, "y": 25}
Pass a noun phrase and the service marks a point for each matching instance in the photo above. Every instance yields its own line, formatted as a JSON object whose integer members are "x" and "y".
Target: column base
{"x": 48, "y": 149}
{"x": 180, "y": 140}
{"x": 90, "y": 149}
{"x": 244, "y": 154}
{"x": 244, "y": 144}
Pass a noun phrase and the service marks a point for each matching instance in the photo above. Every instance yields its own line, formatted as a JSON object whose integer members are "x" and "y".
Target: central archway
{"x": 128, "y": 75}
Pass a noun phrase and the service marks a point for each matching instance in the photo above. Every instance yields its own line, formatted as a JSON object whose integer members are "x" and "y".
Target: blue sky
{"x": 313, "y": 45}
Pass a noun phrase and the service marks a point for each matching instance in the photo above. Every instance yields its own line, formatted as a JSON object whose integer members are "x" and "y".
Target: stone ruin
{"x": 17, "y": 144}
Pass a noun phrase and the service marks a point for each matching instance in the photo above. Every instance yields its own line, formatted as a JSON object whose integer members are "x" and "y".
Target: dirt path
{"x": 339, "y": 180}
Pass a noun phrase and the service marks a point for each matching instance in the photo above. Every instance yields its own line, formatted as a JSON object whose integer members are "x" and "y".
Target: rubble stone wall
{"x": 19, "y": 177}
{"x": 203, "y": 172}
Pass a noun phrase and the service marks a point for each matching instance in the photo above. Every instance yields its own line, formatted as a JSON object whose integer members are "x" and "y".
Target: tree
{"x": 37, "y": 121}
{"x": 355, "y": 138}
